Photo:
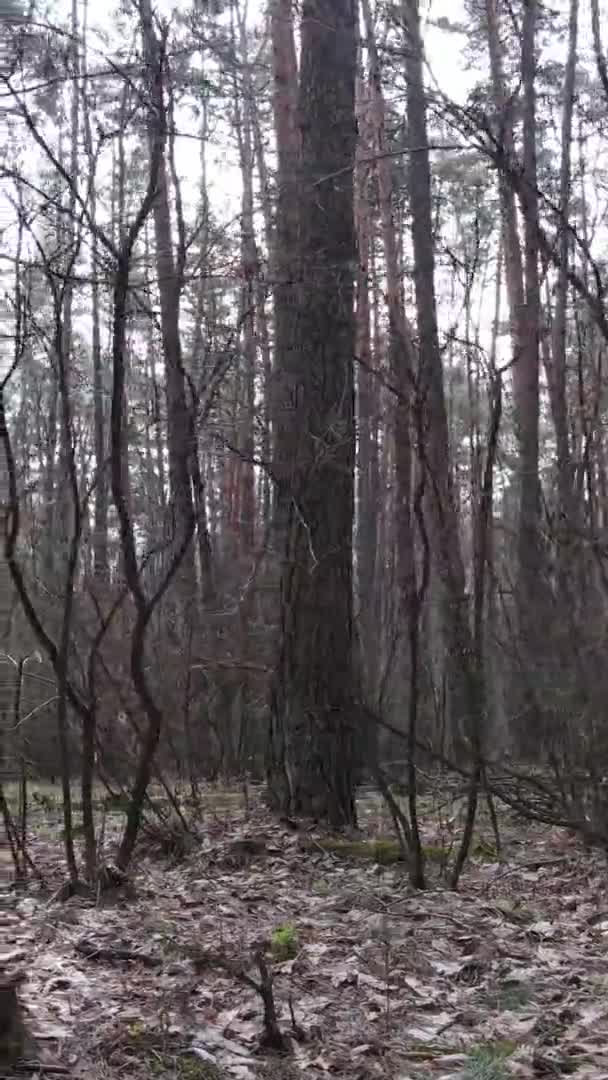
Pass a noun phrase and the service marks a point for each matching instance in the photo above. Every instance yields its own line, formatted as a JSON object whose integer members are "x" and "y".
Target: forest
{"x": 304, "y": 504}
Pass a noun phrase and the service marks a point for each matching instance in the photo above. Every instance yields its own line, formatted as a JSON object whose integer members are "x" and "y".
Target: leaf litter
{"x": 508, "y": 977}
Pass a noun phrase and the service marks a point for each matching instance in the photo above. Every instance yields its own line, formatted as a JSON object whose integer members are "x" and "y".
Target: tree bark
{"x": 368, "y": 477}
{"x": 314, "y": 695}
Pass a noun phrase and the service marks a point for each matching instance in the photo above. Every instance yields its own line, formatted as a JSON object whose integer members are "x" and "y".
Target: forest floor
{"x": 507, "y": 977}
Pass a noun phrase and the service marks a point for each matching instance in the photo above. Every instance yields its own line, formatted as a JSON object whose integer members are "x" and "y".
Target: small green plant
{"x": 487, "y": 1061}
{"x": 192, "y": 1068}
{"x": 511, "y": 996}
{"x": 284, "y": 943}
{"x": 320, "y": 887}
{"x": 162, "y": 1053}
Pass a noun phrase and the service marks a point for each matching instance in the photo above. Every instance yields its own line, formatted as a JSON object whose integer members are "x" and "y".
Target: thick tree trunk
{"x": 314, "y": 693}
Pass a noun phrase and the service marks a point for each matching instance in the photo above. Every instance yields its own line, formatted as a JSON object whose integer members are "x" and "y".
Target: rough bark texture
{"x": 311, "y": 769}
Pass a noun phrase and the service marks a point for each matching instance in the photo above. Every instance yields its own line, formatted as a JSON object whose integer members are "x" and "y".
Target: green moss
{"x": 184, "y": 1067}
{"x": 320, "y": 888}
{"x": 515, "y": 911}
{"x": 511, "y": 996}
{"x": 487, "y": 1061}
{"x": 435, "y": 853}
{"x": 382, "y": 850}
{"x": 164, "y": 1054}
{"x": 284, "y": 943}
{"x": 385, "y": 852}
{"x": 424, "y": 1051}
{"x": 190, "y": 1067}
{"x": 227, "y": 799}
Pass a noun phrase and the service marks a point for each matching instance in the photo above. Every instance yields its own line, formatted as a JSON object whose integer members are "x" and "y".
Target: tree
{"x": 314, "y": 698}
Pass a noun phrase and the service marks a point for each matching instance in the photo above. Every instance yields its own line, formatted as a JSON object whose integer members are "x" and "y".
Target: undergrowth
{"x": 487, "y": 1061}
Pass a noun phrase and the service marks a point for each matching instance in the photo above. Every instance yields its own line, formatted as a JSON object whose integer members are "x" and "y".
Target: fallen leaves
{"x": 385, "y": 983}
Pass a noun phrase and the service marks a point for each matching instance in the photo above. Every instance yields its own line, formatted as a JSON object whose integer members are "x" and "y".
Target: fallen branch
{"x": 110, "y": 955}
{"x": 37, "y": 1067}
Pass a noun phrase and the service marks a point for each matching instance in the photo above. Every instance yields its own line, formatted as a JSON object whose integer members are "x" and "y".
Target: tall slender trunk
{"x": 250, "y": 273}
{"x": 199, "y": 375}
{"x": 262, "y": 308}
{"x": 466, "y": 687}
{"x": 368, "y": 492}
{"x": 100, "y": 512}
{"x": 49, "y": 477}
{"x": 523, "y": 292}
{"x": 529, "y": 561}
{"x": 70, "y": 526}
{"x": 284, "y": 263}
{"x": 169, "y": 274}
{"x": 565, "y": 477}
{"x": 401, "y": 351}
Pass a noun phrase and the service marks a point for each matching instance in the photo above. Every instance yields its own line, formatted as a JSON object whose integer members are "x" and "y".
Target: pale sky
{"x": 444, "y": 51}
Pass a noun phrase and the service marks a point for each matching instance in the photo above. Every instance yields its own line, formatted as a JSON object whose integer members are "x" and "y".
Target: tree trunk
{"x": 566, "y": 505}
{"x": 465, "y": 682}
{"x": 401, "y": 352}
{"x": 314, "y": 694}
{"x": 169, "y": 274}
{"x": 529, "y": 549}
{"x": 250, "y": 273}
{"x": 368, "y": 493}
{"x": 100, "y": 513}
